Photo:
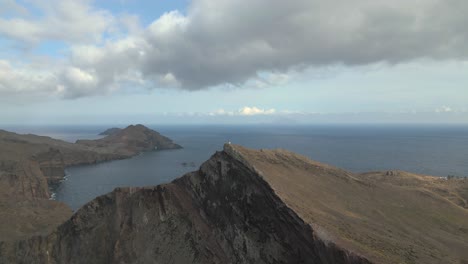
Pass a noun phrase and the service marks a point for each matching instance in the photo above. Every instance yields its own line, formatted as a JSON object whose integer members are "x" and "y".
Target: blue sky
{"x": 226, "y": 61}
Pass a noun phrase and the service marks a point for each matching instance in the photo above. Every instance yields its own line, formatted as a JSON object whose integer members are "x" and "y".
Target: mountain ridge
{"x": 262, "y": 206}
{"x": 30, "y": 164}
{"x": 198, "y": 218}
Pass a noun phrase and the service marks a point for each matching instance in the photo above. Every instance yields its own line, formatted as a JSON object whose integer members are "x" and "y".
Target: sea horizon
{"x": 436, "y": 150}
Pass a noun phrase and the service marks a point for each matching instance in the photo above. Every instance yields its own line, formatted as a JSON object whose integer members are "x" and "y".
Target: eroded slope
{"x": 264, "y": 206}
{"x": 405, "y": 218}
{"x": 30, "y": 163}
{"x": 223, "y": 213}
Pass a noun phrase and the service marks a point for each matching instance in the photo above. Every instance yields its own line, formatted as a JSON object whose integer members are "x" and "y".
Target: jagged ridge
{"x": 264, "y": 206}
{"x": 223, "y": 213}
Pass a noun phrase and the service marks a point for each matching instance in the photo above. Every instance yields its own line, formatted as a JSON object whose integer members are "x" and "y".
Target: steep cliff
{"x": 263, "y": 206}
{"x": 25, "y": 208}
{"x": 22, "y": 155}
{"x": 52, "y": 164}
{"x": 395, "y": 218}
{"x": 23, "y": 178}
{"x": 223, "y": 213}
{"x": 30, "y": 163}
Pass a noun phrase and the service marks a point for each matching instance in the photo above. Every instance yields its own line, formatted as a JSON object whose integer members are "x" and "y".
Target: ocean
{"x": 426, "y": 149}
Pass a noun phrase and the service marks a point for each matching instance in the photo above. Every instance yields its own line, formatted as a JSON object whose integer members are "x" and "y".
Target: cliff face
{"x": 52, "y": 165}
{"x": 224, "y": 213}
{"x": 22, "y": 155}
{"x": 25, "y": 208}
{"x": 262, "y": 206}
{"x": 30, "y": 163}
{"x": 388, "y": 217}
{"x": 23, "y": 179}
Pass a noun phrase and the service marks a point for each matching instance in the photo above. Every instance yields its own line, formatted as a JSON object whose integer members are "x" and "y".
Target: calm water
{"x": 431, "y": 150}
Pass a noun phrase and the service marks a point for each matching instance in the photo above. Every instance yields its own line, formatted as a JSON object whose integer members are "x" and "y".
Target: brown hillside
{"x": 393, "y": 217}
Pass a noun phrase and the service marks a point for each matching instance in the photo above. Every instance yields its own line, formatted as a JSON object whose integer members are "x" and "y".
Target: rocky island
{"x": 130, "y": 141}
{"x": 263, "y": 206}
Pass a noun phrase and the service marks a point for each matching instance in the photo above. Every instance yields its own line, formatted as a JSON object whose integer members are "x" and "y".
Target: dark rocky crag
{"x": 223, "y": 213}
{"x": 263, "y": 206}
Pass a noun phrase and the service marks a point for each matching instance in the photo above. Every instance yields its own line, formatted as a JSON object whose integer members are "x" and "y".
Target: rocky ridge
{"x": 263, "y": 206}
{"x": 29, "y": 164}
{"x": 223, "y": 213}
{"x": 132, "y": 140}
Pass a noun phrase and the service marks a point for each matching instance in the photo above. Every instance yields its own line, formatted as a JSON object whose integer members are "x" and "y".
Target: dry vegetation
{"x": 390, "y": 217}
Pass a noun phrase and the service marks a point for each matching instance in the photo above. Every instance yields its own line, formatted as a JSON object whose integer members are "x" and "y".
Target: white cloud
{"x": 249, "y": 111}
{"x": 244, "y": 111}
{"x": 169, "y": 80}
{"x": 444, "y": 109}
{"x": 221, "y": 112}
{"x": 80, "y": 77}
{"x": 212, "y": 45}
{"x": 26, "y": 80}
{"x": 66, "y": 20}
{"x": 86, "y": 54}
{"x": 168, "y": 24}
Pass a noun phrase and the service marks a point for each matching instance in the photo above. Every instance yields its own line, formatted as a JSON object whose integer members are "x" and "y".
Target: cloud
{"x": 212, "y": 45}
{"x": 67, "y": 20}
{"x": 26, "y": 80}
{"x": 444, "y": 109}
{"x": 249, "y": 111}
{"x": 244, "y": 111}
{"x": 9, "y": 7}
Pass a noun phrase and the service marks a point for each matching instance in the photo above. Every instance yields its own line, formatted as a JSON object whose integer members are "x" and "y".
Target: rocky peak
{"x": 262, "y": 206}
{"x": 132, "y": 140}
{"x": 223, "y": 213}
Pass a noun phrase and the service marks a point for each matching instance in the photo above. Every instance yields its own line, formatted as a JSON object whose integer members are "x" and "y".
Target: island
{"x": 131, "y": 141}
{"x": 263, "y": 206}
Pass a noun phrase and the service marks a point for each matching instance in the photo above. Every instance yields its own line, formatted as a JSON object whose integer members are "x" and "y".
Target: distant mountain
{"x": 110, "y": 131}
{"x": 264, "y": 206}
{"x": 132, "y": 140}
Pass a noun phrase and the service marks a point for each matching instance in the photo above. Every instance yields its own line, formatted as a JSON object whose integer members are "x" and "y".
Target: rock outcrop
{"x": 23, "y": 179}
{"x": 52, "y": 164}
{"x": 263, "y": 206}
{"x": 29, "y": 164}
{"x": 132, "y": 140}
{"x": 224, "y": 213}
{"x": 21, "y": 155}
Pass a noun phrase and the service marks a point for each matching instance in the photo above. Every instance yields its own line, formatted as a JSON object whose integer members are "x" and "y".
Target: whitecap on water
{"x": 53, "y": 196}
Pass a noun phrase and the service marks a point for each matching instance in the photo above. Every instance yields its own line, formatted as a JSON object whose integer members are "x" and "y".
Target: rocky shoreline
{"x": 29, "y": 164}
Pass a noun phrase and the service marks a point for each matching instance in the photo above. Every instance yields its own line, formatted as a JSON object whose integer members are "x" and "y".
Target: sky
{"x": 231, "y": 61}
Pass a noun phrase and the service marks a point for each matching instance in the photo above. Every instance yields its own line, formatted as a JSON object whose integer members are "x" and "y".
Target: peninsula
{"x": 264, "y": 206}
{"x": 30, "y": 163}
